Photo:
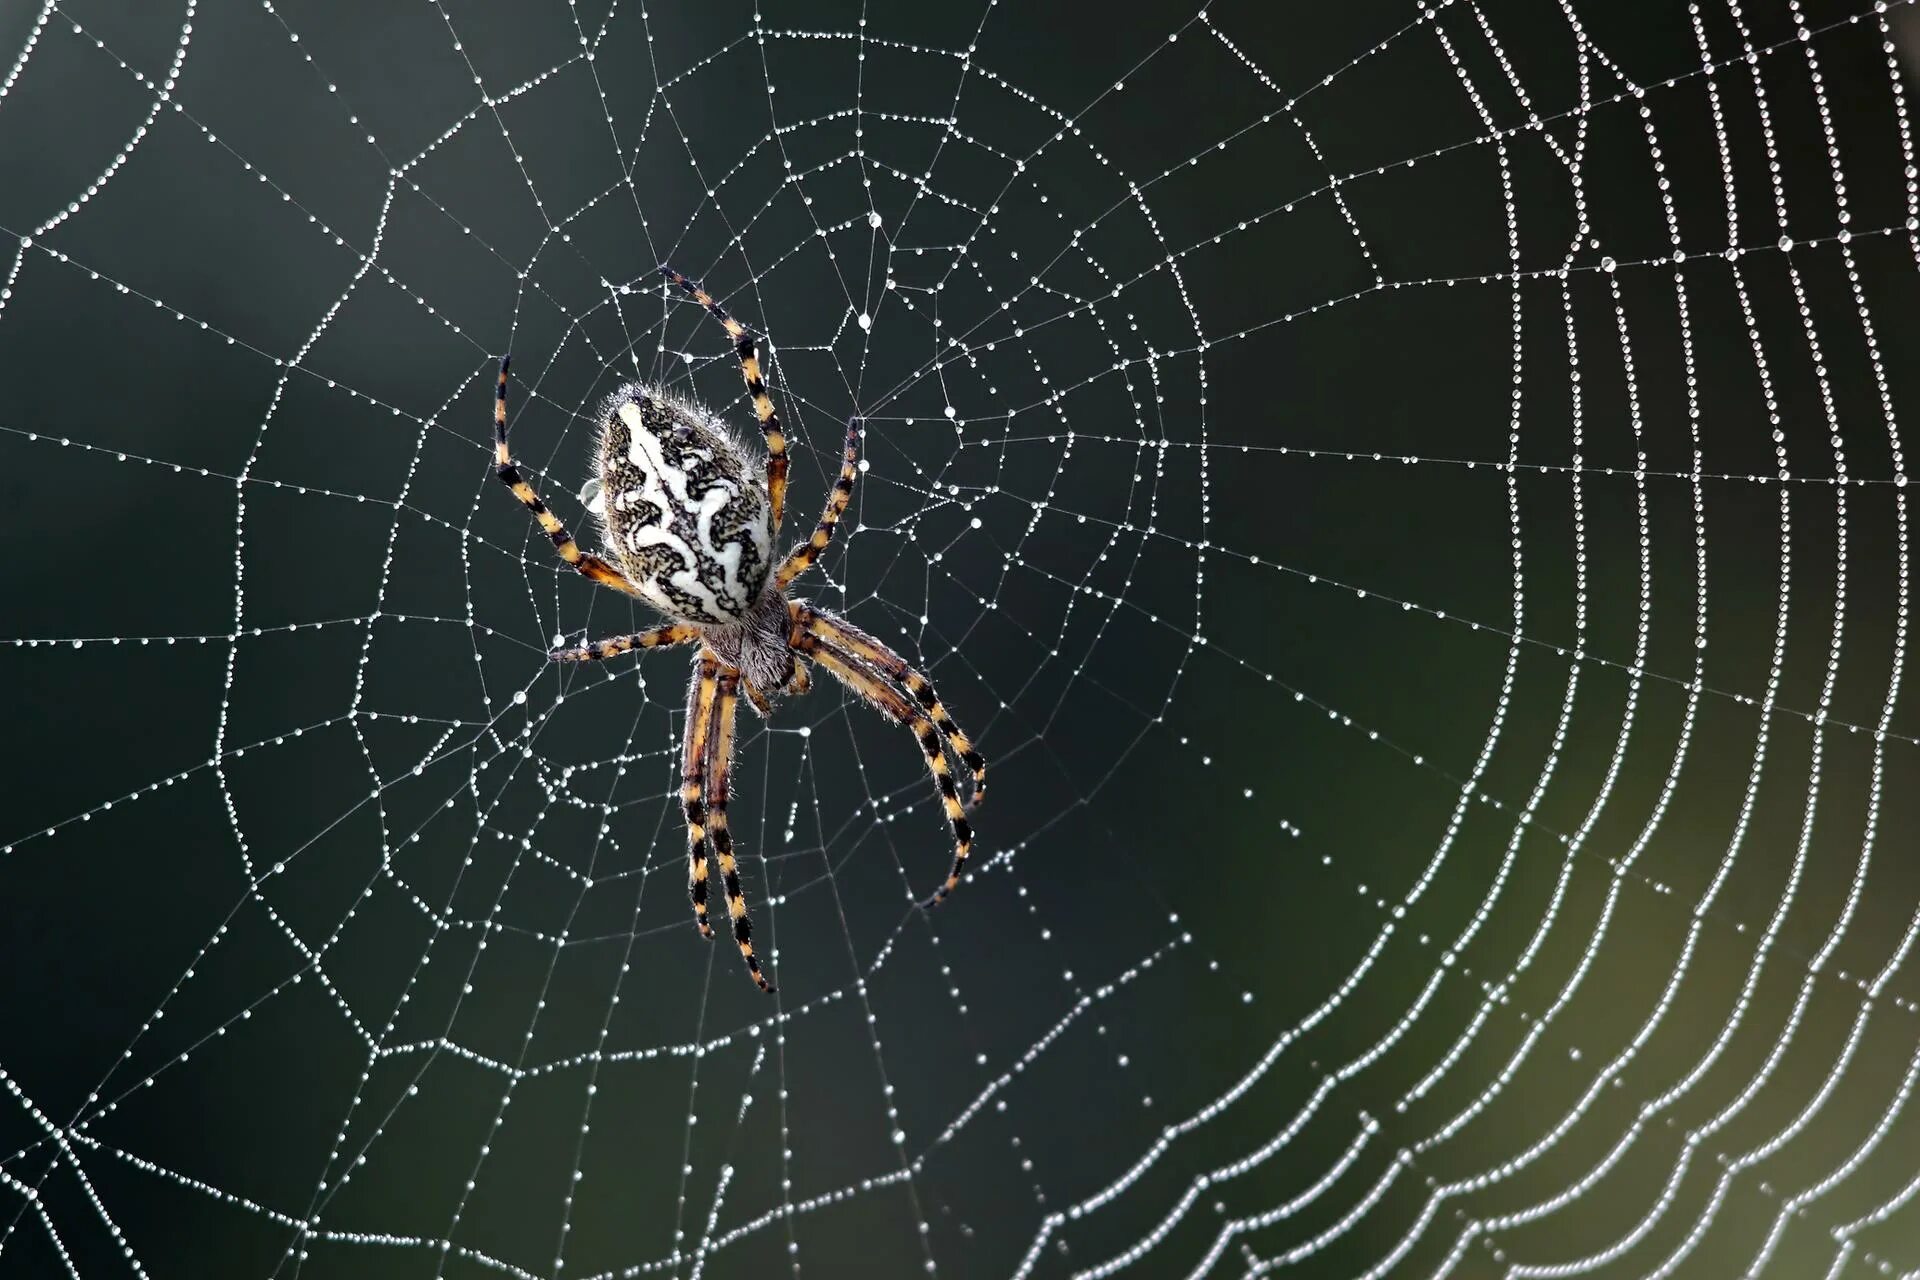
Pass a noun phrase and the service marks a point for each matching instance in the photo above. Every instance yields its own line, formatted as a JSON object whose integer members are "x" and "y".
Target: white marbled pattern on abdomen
{"x": 686, "y": 501}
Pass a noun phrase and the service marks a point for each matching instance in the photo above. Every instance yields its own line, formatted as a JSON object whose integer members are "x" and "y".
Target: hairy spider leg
{"x": 693, "y": 774}
{"x": 842, "y": 493}
{"x": 845, "y": 636}
{"x": 591, "y": 566}
{"x": 601, "y": 650}
{"x": 799, "y": 683}
{"x": 889, "y": 701}
{"x": 763, "y": 409}
{"x": 718, "y": 773}
{"x": 759, "y": 699}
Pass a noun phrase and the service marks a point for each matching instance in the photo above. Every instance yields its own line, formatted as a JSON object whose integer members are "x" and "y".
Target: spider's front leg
{"x": 873, "y": 687}
{"x": 693, "y": 777}
{"x": 719, "y": 772}
{"x": 853, "y": 642}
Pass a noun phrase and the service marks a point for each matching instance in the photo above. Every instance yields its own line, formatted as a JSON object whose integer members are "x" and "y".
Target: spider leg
{"x": 720, "y": 767}
{"x": 756, "y": 389}
{"x": 797, "y": 684}
{"x": 600, "y": 650}
{"x": 759, "y": 699}
{"x": 891, "y": 702}
{"x": 809, "y": 551}
{"x": 693, "y": 772}
{"x": 590, "y": 565}
{"x": 801, "y": 682}
{"x": 843, "y": 635}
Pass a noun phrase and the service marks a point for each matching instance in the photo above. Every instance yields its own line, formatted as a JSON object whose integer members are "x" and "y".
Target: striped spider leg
{"x": 876, "y": 672}
{"x": 763, "y": 410}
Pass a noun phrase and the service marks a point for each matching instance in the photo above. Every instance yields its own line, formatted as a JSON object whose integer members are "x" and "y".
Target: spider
{"x": 690, "y": 531}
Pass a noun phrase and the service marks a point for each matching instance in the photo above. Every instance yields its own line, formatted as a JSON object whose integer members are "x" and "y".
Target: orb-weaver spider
{"x": 690, "y": 531}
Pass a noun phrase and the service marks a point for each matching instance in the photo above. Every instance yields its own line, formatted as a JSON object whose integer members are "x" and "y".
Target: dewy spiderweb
{"x": 1436, "y": 467}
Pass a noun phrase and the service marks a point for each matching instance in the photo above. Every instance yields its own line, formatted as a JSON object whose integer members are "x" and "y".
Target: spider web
{"x": 1410, "y": 499}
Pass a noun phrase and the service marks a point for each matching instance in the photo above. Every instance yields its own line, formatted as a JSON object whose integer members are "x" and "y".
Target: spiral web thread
{"x": 962, "y": 471}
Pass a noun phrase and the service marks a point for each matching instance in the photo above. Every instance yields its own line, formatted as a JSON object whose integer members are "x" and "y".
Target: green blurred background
{"x": 1453, "y": 799}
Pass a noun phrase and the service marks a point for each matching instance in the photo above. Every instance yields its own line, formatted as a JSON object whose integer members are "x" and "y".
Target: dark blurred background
{"x": 1409, "y": 500}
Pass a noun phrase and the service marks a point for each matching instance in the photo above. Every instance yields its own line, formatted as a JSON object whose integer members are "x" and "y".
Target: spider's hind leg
{"x": 504, "y": 466}
{"x": 804, "y": 555}
{"x": 743, "y": 348}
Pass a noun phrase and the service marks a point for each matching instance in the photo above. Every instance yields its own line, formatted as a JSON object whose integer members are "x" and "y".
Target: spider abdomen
{"x": 687, "y": 522}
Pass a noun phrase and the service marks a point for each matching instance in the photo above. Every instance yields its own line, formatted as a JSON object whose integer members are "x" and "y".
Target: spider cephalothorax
{"x": 690, "y": 531}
